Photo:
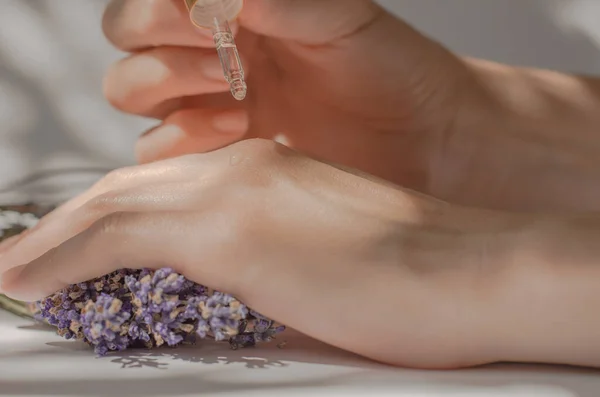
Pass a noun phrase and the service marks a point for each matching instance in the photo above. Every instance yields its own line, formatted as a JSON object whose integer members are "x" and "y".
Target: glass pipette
{"x": 215, "y": 15}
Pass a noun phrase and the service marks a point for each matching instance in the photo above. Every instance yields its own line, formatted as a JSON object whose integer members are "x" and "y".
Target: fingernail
{"x": 211, "y": 67}
{"x": 232, "y": 121}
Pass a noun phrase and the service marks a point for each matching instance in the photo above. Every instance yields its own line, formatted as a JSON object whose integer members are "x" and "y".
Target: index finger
{"x": 132, "y": 25}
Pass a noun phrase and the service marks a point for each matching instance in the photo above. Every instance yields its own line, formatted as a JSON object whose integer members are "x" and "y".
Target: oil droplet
{"x": 235, "y": 160}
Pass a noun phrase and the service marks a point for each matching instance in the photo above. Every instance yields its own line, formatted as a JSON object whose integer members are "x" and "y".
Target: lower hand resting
{"x": 355, "y": 262}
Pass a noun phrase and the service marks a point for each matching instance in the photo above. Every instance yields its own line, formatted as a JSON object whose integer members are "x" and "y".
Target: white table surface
{"x": 36, "y": 362}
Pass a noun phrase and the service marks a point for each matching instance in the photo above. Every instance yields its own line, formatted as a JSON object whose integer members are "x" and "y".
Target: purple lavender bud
{"x": 202, "y": 328}
{"x": 151, "y": 308}
{"x": 102, "y": 323}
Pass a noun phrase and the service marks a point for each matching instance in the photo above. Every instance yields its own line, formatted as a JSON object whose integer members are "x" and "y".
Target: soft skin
{"x": 356, "y": 262}
{"x": 276, "y": 228}
{"x": 396, "y": 202}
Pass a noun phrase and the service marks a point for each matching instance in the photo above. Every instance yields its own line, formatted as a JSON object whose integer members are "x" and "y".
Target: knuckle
{"x": 257, "y": 162}
{"x": 257, "y": 147}
{"x": 253, "y": 154}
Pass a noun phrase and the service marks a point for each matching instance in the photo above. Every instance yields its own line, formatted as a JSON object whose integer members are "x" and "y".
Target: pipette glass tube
{"x": 230, "y": 59}
{"x": 215, "y": 15}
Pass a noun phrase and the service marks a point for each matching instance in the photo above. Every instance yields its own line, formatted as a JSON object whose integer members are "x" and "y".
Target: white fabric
{"x": 36, "y": 362}
{"x": 58, "y": 135}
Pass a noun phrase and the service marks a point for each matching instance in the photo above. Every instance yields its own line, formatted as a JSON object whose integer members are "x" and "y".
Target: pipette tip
{"x": 238, "y": 89}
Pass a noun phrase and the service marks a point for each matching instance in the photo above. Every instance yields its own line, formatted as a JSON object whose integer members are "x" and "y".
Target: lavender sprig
{"x": 132, "y": 308}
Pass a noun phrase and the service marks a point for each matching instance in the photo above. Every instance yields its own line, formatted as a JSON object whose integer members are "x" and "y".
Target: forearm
{"x": 547, "y": 310}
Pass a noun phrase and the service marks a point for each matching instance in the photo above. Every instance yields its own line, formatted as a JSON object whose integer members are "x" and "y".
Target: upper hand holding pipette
{"x": 327, "y": 74}
{"x": 346, "y": 82}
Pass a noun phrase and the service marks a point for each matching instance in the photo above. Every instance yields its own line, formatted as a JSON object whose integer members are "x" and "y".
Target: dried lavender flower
{"x": 14, "y": 222}
{"x": 131, "y": 308}
{"x": 146, "y": 308}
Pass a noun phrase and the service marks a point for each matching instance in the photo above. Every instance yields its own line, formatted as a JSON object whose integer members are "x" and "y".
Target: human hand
{"x": 346, "y": 82}
{"x": 352, "y": 261}
{"x": 342, "y": 80}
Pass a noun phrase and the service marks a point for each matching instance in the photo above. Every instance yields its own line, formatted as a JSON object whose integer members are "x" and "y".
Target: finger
{"x": 120, "y": 179}
{"x": 308, "y": 21}
{"x": 4, "y": 246}
{"x": 192, "y": 131}
{"x": 54, "y": 223}
{"x": 132, "y": 25}
{"x": 165, "y": 197}
{"x": 140, "y": 83}
{"x": 9, "y": 242}
{"x": 120, "y": 240}
{"x": 218, "y": 101}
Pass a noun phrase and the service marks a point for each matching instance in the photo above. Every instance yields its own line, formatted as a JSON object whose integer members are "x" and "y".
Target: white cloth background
{"x": 58, "y": 135}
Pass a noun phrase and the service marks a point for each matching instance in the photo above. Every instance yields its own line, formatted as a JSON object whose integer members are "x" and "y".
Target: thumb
{"x": 308, "y": 21}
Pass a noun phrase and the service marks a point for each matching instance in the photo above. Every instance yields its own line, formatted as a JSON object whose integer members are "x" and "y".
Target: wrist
{"x": 545, "y": 121}
{"x": 555, "y": 108}
{"x": 547, "y": 307}
{"x": 452, "y": 291}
